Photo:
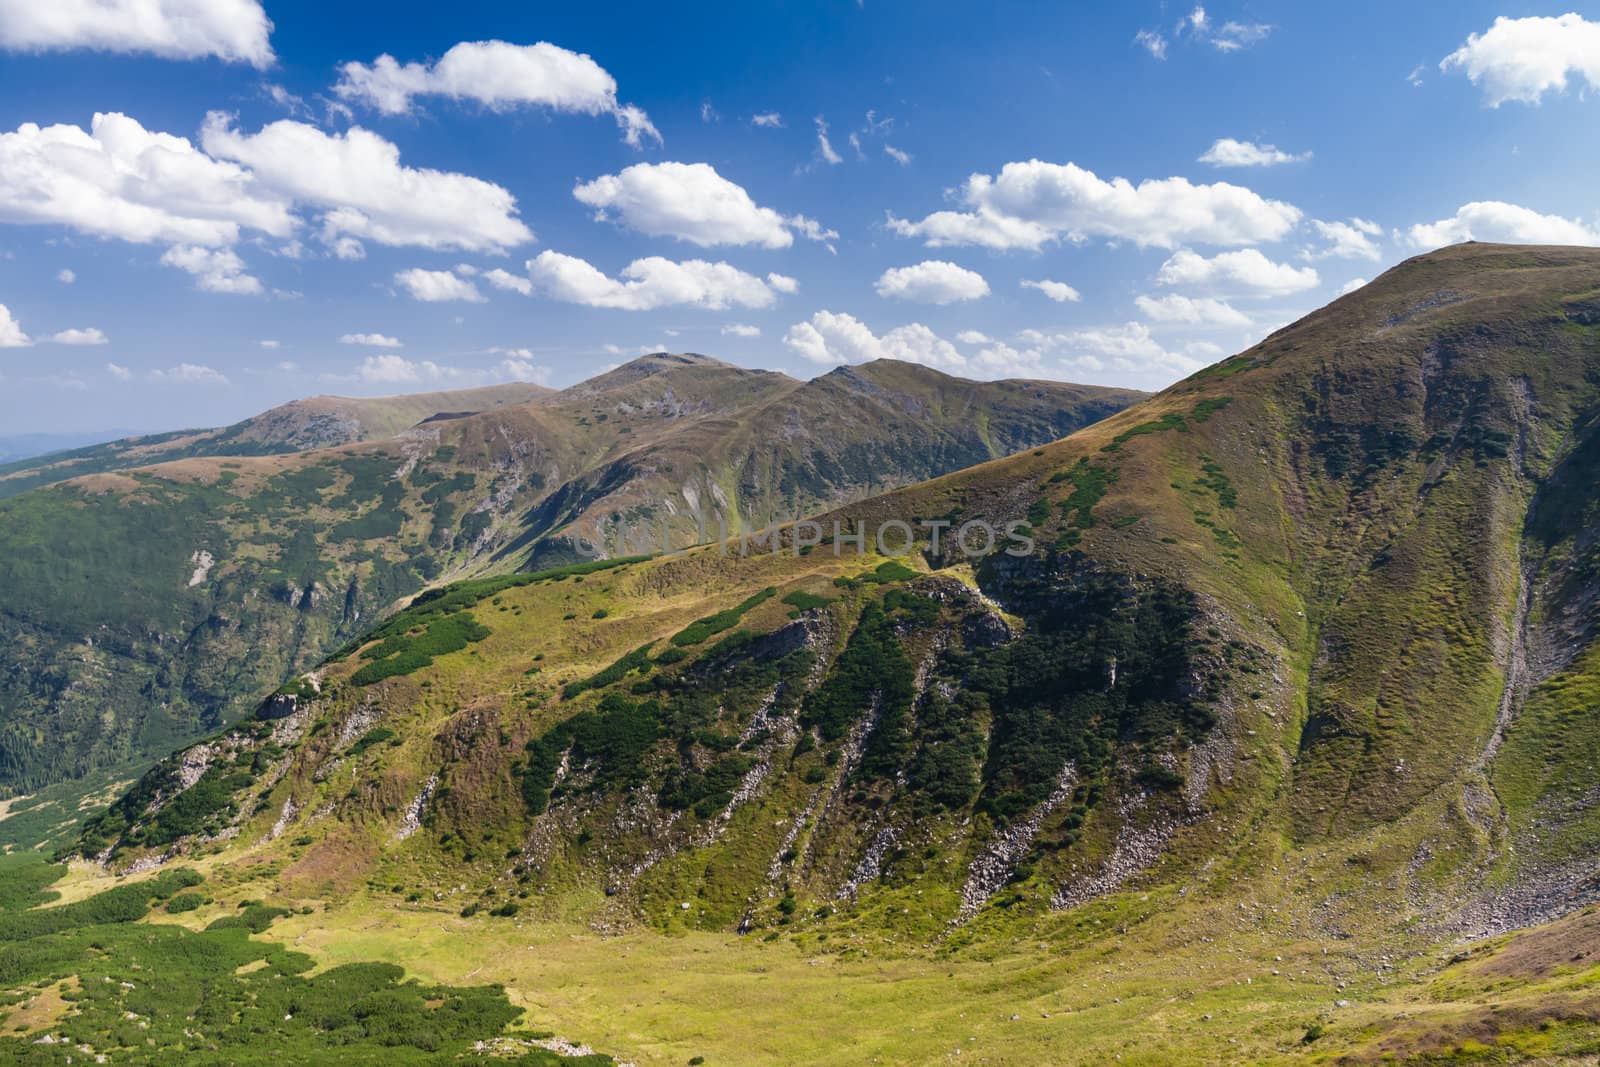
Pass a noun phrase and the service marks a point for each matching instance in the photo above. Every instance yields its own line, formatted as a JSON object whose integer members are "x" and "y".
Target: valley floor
{"x": 1128, "y": 980}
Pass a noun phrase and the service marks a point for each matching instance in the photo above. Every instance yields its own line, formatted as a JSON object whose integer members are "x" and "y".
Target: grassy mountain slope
{"x": 1300, "y": 666}
{"x": 149, "y": 606}
{"x": 316, "y": 422}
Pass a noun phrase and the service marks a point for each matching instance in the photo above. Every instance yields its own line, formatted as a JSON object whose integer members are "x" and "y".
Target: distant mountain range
{"x": 14, "y": 447}
{"x": 318, "y": 422}
{"x": 156, "y": 588}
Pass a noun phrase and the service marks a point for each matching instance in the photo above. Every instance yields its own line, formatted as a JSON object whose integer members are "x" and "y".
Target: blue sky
{"x": 1115, "y": 193}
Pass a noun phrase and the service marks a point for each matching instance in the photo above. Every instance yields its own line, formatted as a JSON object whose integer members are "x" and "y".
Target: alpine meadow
{"x": 1067, "y": 619}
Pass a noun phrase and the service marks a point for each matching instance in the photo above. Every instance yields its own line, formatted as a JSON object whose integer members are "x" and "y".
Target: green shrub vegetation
{"x": 1090, "y": 483}
{"x": 706, "y": 792}
{"x": 803, "y": 601}
{"x": 607, "y": 747}
{"x": 872, "y": 665}
{"x": 458, "y": 596}
{"x": 1172, "y": 420}
{"x": 160, "y": 993}
{"x": 711, "y": 625}
{"x": 1049, "y": 696}
{"x": 403, "y": 653}
{"x": 923, "y": 610}
{"x": 888, "y": 571}
{"x": 613, "y": 739}
{"x": 20, "y": 921}
{"x": 185, "y": 902}
{"x": 637, "y": 660}
{"x": 206, "y": 806}
{"x": 376, "y": 736}
{"x": 1214, "y": 478}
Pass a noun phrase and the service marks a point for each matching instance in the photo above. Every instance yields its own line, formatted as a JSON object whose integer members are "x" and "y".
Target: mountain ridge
{"x": 1155, "y": 502}
{"x": 1281, "y": 734}
{"x": 299, "y": 425}
{"x": 236, "y": 570}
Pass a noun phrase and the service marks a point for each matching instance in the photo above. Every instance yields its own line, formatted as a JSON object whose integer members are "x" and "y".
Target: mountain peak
{"x": 879, "y": 370}
{"x": 674, "y": 365}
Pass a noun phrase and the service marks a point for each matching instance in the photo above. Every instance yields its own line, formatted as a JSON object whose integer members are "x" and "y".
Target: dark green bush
{"x": 803, "y": 601}
{"x": 637, "y": 660}
{"x": 185, "y": 902}
{"x": 711, "y": 625}
{"x": 402, "y": 653}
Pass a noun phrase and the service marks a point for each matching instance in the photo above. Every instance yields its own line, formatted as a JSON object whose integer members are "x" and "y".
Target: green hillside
{"x": 146, "y": 607}
{"x": 1287, "y": 710}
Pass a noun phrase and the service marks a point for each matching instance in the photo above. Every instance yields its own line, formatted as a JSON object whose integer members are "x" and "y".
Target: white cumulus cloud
{"x": 500, "y": 76}
{"x": 1033, "y": 203}
{"x": 368, "y": 340}
{"x": 504, "y": 279}
{"x": 1494, "y": 220}
{"x": 189, "y": 374}
{"x": 365, "y": 192}
{"x": 1191, "y": 310}
{"x": 1522, "y": 59}
{"x": 1128, "y": 354}
{"x": 397, "y": 370}
{"x": 1227, "y": 152}
{"x": 231, "y": 30}
{"x": 390, "y": 370}
{"x": 933, "y": 281}
{"x": 648, "y": 283}
{"x": 1351, "y": 286}
{"x": 1245, "y": 270}
{"x": 87, "y": 336}
{"x": 834, "y": 338}
{"x": 120, "y": 180}
{"x": 1346, "y": 240}
{"x": 1060, "y": 292}
{"x": 66, "y": 276}
{"x": 216, "y": 270}
{"x": 437, "y": 286}
{"x": 11, "y": 335}
{"x": 387, "y": 369}
{"x": 691, "y": 202}
{"x": 519, "y": 366}
{"x": 739, "y": 329}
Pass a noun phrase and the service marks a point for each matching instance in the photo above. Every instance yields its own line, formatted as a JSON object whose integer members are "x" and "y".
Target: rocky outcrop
{"x": 999, "y": 859}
